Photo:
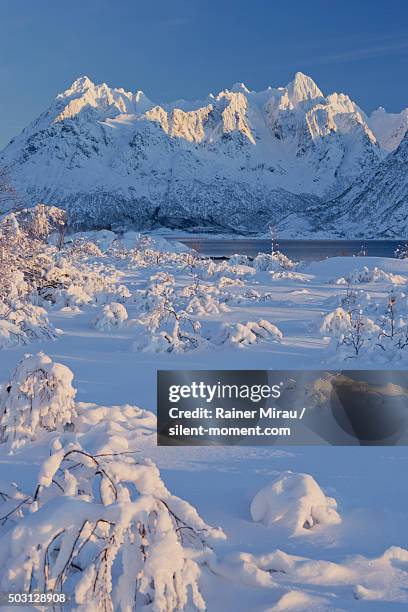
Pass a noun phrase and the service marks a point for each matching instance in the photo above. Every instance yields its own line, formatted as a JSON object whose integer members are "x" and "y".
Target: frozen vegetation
{"x": 89, "y": 505}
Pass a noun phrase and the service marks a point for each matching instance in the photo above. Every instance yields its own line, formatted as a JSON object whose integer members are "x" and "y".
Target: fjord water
{"x": 306, "y": 250}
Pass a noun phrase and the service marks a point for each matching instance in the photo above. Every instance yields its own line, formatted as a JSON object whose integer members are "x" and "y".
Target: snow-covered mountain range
{"x": 236, "y": 161}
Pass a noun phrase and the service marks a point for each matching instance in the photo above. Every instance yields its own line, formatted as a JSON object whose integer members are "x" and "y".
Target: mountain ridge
{"x": 236, "y": 161}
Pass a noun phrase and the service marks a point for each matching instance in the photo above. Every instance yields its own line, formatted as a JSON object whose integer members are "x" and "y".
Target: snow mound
{"x": 247, "y": 334}
{"x": 295, "y": 502}
{"x": 113, "y": 316}
{"x": 381, "y": 578}
{"x": 114, "y": 428}
{"x": 39, "y": 398}
{"x": 299, "y": 601}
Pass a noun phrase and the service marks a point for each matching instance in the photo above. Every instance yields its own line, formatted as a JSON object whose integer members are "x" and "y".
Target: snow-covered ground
{"x": 334, "y": 540}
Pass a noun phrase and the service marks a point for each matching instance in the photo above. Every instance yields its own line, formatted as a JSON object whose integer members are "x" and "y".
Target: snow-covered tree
{"x": 107, "y": 531}
{"x": 38, "y": 398}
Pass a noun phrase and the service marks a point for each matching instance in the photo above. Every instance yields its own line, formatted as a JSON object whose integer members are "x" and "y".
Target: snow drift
{"x": 294, "y": 502}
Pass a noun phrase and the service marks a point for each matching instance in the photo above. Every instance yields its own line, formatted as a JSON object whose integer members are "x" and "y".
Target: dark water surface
{"x": 306, "y": 250}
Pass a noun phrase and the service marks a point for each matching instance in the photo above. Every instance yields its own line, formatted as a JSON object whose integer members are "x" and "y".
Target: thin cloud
{"x": 354, "y": 55}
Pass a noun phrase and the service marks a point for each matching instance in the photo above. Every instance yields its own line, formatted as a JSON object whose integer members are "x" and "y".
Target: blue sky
{"x": 187, "y": 48}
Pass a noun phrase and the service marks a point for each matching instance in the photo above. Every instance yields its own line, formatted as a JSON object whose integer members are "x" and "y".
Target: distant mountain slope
{"x": 389, "y": 128}
{"x": 376, "y": 204}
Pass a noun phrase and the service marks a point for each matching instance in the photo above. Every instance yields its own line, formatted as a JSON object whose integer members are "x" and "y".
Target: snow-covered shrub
{"x": 246, "y": 334}
{"x": 68, "y": 282}
{"x": 80, "y": 248}
{"x": 370, "y": 275}
{"x": 21, "y": 323}
{"x": 118, "y": 293}
{"x": 393, "y": 323}
{"x": 38, "y": 398}
{"x": 276, "y": 262}
{"x": 196, "y": 288}
{"x": 24, "y": 248}
{"x": 206, "y": 305}
{"x": 226, "y": 281}
{"x": 295, "y": 502}
{"x": 106, "y": 531}
{"x": 18, "y": 256}
{"x": 252, "y": 295}
{"x": 350, "y": 330}
{"x": 239, "y": 260}
{"x": 41, "y": 222}
{"x": 160, "y": 290}
{"x": 113, "y": 316}
{"x": 72, "y": 296}
{"x": 168, "y": 331}
{"x": 335, "y": 322}
{"x": 357, "y": 298}
{"x": 10, "y": 334}
{"x": 353, "y": 330}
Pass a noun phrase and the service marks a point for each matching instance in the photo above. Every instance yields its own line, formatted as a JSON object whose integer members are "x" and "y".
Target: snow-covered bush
{"x": 356, "y": 298}
{"x": 42, "y": 222}
{"x": 80, "y": 248}
{"x": 24, "y": 248}
{"x": 350, "y": 330}
{"x": 38, "y": 398}
{"x": 168, "y": 331}
{"x": 160, "y": 290}
{"x": 226, "y": 281}
{"x": 246, "y": 334}
{"x": 206, "y": 305}
{"x": 294, "y": 502}
{"x": 68, "y": 283}
{"x": 276, "y": 262}
{"x": 112, "y": 316}
{"x": 366, "y": 325}
{"x": 393, "y": 323}
{"x": 105, "y": 530}
{"x": 370, "y": 275}
{"x": 21, "y": 323}
{"x": 239, "y": 260}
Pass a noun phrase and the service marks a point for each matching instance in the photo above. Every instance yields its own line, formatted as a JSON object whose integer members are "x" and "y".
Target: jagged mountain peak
{"x": 239, "y": 87}
{"x": 303, "y": 88}
{"x": 78, "y": 86}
